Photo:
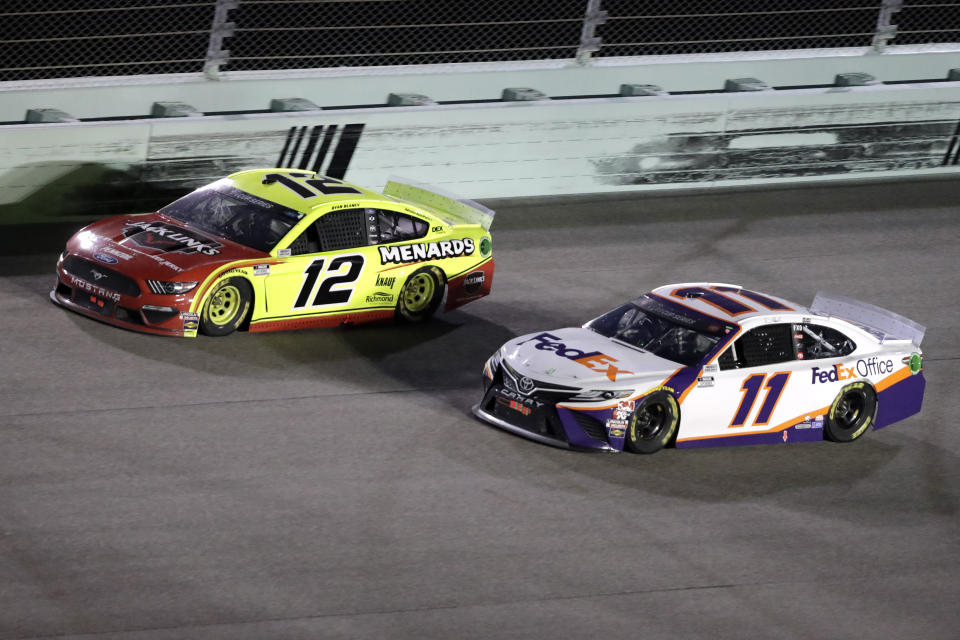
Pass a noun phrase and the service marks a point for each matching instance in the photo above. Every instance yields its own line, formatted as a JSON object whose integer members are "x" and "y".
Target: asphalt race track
{"x": 333, "y": 484}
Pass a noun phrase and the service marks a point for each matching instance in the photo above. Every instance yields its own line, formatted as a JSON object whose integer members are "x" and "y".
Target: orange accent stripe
{"x": 712, "y": 304}
{"x": 663, "y": 383}
{"x": 780, "y": 427}
{"x": 694, "y": 309}
{"x": 893, "y": 379}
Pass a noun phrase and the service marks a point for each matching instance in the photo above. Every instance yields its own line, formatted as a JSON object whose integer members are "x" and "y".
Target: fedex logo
{"x": 833, "y": 374}
{"x": 594, "y": 360}
{"x": 862, "y": 368}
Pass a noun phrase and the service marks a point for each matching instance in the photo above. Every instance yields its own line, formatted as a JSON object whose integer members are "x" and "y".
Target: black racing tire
{"x": 226, "y": 307}
{"x": 420, "y": 295}
{"x": 852, "y": 413}
{"x": 653, "y": 423}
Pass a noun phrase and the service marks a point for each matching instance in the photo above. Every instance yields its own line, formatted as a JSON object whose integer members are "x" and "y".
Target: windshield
{"x": 225, "y": 211}
{"x": 654, "y": 327}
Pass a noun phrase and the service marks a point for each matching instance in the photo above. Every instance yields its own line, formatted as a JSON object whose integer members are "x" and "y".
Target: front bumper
{"x": 535, "y": 416}
{"x": 131, "y": 309}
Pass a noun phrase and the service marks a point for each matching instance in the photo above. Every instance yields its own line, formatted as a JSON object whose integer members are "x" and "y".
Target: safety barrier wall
{"x": 497, "y": 149}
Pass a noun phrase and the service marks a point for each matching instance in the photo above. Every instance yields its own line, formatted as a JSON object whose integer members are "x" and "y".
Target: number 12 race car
{"x": 275, "y": 249}
{"x": 706, "y": 364}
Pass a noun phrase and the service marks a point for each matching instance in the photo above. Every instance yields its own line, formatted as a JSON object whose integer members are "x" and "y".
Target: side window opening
{"x": 816, "y": 342}
{"x": 769, "y": 344}
{"x": 397, "y": 227}
{"x": 308, "y": 242}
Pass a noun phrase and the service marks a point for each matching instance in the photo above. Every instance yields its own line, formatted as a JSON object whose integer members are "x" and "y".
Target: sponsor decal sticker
{"x": 386, "y": 281}
{"x": 191, "y": 321}
{"x": 401, "y": 254}
{"x": 624, "y": 409}
{"x": 116, "y": 252}
{"x": 104, "y": 258}
{"x": 615, "y": 425}
{"x": 436, "y": 229}
{"x": 283, "y": 253}
{"x": 593, "y": 360}
{"x": 818, "y": 422}
{"x": 711, "y": 368}
{"x": 169, "y": 238}
{"x": 864, "y": 367}
{"x": 473, "y": 281}
{"x": 380, "y": 297}
{"x": 705, "y": 381}
{"x": 261, "y": 269}
{"x": 485, "y": 247}
{"x": 784, "y": 436}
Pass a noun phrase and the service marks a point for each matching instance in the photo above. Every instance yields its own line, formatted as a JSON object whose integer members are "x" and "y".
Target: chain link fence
{"x": 49, "y": 39}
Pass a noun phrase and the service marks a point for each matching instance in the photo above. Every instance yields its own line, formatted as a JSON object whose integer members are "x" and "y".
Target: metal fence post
{"x": 220, "y": 29}
{"x": 590, "y": 43}
{"x": 885, "y": 30}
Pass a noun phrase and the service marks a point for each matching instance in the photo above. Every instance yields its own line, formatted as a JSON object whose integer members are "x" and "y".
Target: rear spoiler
{"x": 442, "y": 204}
{"x": 886, "y": 325}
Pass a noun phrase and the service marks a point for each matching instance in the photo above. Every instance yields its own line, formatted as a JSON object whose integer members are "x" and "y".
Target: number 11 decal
{"x": 326, "y": 295}
{"x": 775, "y": 384}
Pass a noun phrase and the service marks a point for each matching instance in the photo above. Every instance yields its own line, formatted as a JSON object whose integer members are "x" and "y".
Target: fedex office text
{"x": 863, "y": 368}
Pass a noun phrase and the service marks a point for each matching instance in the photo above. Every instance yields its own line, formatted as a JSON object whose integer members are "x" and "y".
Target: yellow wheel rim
{"x": 224, "y": 305}
{"x": 418, "y": 292}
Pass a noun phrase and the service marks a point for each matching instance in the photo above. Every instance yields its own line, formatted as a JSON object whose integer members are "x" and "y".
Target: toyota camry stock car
{"x": 705, "y": 364}
{"x": 272, "y": 249}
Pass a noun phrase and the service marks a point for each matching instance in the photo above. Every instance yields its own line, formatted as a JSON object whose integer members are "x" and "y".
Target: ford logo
{"x": 103, "y": 257}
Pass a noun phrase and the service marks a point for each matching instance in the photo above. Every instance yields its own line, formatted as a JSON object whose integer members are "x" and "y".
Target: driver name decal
{"x": 169, "y": 238}
{"x": 593, "y": 360}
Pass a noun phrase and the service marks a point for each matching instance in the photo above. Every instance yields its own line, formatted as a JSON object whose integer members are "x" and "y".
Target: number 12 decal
{"x": 326, "y": 295}
{"x": 775, "y": 384}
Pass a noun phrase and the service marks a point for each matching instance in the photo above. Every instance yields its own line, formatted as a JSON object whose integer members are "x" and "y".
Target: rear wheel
{"x": 653, "y": 423}
{"x": 852, "y": 413}
{"x": 420, "y": 295}
{"x": 226, "y": 307}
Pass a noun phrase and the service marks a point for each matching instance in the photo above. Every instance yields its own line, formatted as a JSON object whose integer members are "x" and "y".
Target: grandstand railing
{"x": 56, "y": 39}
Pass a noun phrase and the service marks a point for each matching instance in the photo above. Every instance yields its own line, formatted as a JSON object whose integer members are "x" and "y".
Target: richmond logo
{"x": 168, "y": 238}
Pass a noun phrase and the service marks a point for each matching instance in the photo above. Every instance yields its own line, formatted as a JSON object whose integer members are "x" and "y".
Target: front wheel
{"x": 653, "y": 423}
{"x": 420, "y": 295}
{"x": 226, "y": 307}
{"x": 852, "y": 413}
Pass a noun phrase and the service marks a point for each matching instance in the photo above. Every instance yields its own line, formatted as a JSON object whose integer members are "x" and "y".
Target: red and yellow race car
{"x": 270, "y": 249}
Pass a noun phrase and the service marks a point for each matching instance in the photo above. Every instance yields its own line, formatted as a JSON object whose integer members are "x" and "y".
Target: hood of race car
{"x": 155, "y": 246}
{"x": 581, "y": 357}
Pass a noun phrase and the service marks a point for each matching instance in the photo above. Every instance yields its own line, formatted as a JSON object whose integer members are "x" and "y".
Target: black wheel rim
{"x": 649, "y": 421}
{"x": 850, "y": 410}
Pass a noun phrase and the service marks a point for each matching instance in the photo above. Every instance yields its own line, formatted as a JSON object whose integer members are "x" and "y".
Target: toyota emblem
{"x": 526, "y": 384}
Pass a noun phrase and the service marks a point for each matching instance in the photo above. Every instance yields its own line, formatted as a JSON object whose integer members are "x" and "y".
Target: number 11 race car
{"x": 272, "y": 249}
{"x": 706, "y": 364}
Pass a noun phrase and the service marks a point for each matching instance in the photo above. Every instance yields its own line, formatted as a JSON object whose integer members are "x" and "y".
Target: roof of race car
{"x": 727, "y": 302}
{"x": 251, "y": 181}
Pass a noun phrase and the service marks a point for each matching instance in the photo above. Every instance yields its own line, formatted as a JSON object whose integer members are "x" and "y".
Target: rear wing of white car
{"x": 886, "y": 325}
{"x": 441, "y": 203}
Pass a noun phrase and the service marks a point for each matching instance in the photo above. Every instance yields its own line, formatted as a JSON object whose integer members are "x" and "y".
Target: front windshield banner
{"x": 223, "y": 210}
{"x": 653, "y": 326}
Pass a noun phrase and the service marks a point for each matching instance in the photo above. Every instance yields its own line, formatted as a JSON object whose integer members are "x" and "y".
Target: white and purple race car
{"x": 707, "y": 364}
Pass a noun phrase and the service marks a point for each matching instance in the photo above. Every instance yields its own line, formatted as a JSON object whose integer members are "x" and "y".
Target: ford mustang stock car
{"x": 270, "y": 249}
{"x": 706, "y": 364}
